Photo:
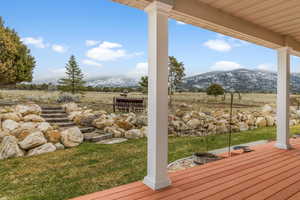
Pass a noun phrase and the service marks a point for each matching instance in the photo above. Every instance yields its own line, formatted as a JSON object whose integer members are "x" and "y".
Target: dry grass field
{"x": 103, "y": 101}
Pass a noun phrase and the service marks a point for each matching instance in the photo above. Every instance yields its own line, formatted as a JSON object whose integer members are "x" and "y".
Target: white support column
{"x": 283, "y": 82}
{"x": 157, "y": 176}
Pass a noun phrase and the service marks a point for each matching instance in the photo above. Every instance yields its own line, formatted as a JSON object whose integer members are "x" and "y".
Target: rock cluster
{"x": 23, "y": 132}
{"x": 182, "y": 122}
{"x": 218, "y": 122}
{"x": 128, "y": 125}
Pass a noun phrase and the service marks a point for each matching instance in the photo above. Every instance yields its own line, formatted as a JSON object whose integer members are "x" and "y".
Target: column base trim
{"x": 283, "y": 146}
{"x": 156, "y": 185}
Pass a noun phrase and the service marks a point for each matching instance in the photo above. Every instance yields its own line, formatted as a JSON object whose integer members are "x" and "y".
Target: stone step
{"x": 96, "y": 137}
{"x": 87, "y": 129}
{"x": 54, "y": 115}
{"x": 52, "y": 108}
{"x": 53, "y": 111}
{"x": 64, "y": 124}
{"x": 54, "y": 120}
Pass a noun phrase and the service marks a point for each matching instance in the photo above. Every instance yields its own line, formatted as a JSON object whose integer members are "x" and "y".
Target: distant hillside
{"x": 112, "y": 81}
{"x": 243, "y": 80}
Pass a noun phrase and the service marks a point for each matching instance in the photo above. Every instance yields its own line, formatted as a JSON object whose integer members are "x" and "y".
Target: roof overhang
{"x": 206, "y": 14}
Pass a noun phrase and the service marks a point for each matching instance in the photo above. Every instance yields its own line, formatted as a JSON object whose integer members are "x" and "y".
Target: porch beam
{"x": 157, "y": 175}
{"x": 283, "y": 81}
{"x": 205, "y": 16}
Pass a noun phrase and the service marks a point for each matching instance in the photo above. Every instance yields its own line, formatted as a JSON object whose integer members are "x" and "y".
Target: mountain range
{"x": 243, "y": 80}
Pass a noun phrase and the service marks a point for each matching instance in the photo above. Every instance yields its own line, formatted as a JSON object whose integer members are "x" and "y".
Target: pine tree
{"x": 176, "y": 74}
{"x": 144, "y": 84}
{"x": 73, "y": 82}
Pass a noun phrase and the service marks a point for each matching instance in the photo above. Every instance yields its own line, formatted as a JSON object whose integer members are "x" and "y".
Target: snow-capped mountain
{"x": 112, "y": 81}
{"x": 243, "y": 80}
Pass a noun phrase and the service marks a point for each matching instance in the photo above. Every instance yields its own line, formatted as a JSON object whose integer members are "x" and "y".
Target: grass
{"x": 94, "y": 167}
{"x": 103, "y": 100}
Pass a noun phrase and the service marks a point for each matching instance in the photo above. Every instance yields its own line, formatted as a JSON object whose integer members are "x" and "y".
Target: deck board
{"x": 266, "y": 173}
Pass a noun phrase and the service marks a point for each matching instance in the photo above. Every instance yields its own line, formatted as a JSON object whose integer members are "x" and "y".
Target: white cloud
{"x": 107, "y": 51}
{"x": 224, "y": 43}
{"x": 266, "y": 67}
{"x": 90, "y": 43}
{"x": 225, "y": 66}
{"x": 141, "y": 69}
{"x": 37, "y": 42}
{"x": 58, "y": 48}
{"x": 218, "y": 45}
{"x": 180, "y": 23}
{"x": 110, "y": 45}
{"x": 92, "y": 63}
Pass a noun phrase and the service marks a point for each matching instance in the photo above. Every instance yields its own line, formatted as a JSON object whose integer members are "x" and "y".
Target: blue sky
{"x": 111, "y": 39}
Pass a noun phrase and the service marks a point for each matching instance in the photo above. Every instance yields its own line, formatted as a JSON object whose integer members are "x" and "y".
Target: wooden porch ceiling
{"x": 270, "y": 23}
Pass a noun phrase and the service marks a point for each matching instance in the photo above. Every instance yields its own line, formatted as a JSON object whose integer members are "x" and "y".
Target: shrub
{"x": 215, "y": 90}
{"x": 67, "y": 97}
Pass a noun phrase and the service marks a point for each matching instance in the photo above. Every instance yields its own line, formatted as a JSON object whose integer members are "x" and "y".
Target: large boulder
{"x": 186, "y": 118}
{"x": 179, "y": 125}
{"x": 261, "y": 122}
{"x": 243, "y": 126}
{"x": 250, "y": 120}
{"x": 35, "y": 139}
{"x": 270, "y": 120}
{"x": 3, "y": 134}
{"x": 10, "y": 125}
{"x": 44, "y": 127}
{"x": 144, "y": 131}
{"x": 222, "y": 128}
{"x": 115, "y": 131}
{"x": 9, "y": 148}
{"x": 33, "y": 118}
{"x": 45, "y": 148}
{"x": 22, "y": 134}
{"x": 293, "y": 122}
{"x": 74, "y": 114}
{"x": 28, "y": 125}
{"x": 141, "y": 121}
{"x": 297, "y": 113}
{"x": 103, "y": 123}
{"x": 86, "y": 119}
{"x": 71, "y": 137}
{"x": 194, "y": 123}
{"x": 133, "y": 134}
{"x": 12, "y": 116}
{"x": 28, "y": 109}
{"x": 267, "y": 109}
{"x": 179, "y": 113}
{"x": 71, "y": 107}
{"x": 53, "y": 136}
{"x": 124, "y": 125}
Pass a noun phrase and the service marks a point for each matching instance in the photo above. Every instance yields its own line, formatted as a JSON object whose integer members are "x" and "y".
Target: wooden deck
{"x": 266, "y": 173}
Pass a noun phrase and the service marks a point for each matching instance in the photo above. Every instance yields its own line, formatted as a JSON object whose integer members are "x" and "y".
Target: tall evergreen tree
{"x": 73, "y": 82}
{"x": 144, "y": 84}
{"x": 176, "y": 73}
{"x": 16, "y": 63}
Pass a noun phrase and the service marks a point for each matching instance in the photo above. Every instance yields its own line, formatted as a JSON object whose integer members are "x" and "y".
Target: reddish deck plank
{"x": 266, "y": 173}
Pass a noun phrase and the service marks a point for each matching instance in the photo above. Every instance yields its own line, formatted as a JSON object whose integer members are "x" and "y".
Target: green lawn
{"x": 93, "y": 167}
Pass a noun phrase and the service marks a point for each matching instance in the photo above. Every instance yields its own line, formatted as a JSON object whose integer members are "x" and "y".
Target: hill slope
{"x": 242, "y": 80}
